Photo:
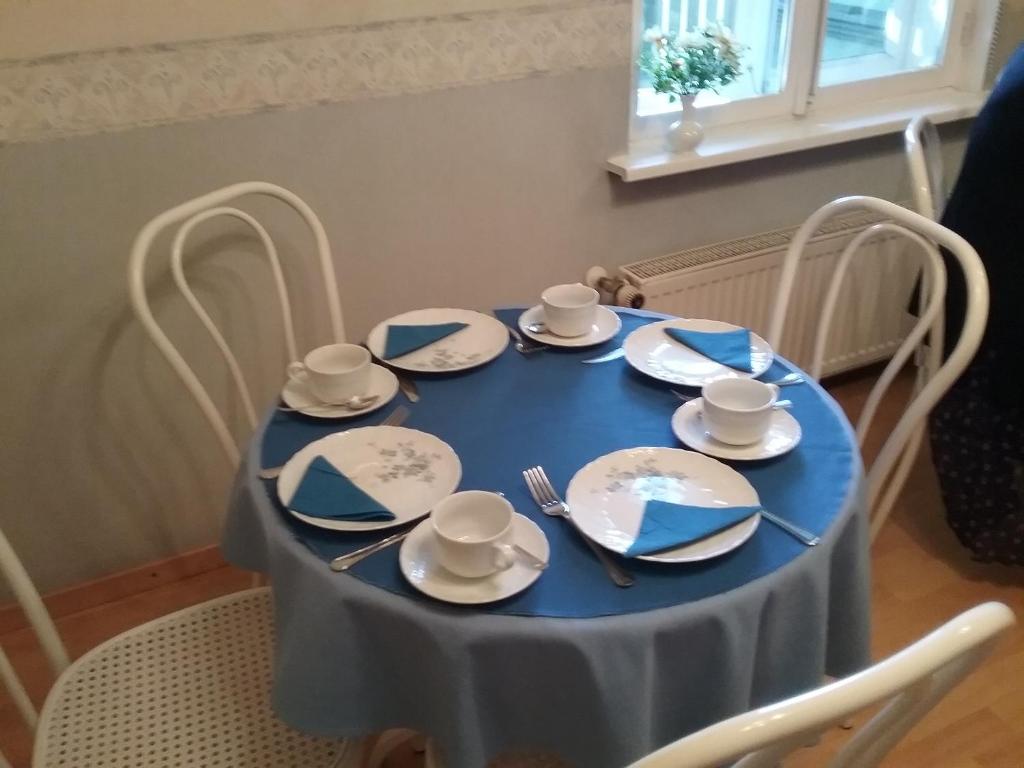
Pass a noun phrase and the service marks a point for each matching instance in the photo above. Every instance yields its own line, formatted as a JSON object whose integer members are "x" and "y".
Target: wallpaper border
{"x": 96, "y": 91}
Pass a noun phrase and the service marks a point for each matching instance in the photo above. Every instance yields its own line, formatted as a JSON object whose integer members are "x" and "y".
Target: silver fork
{"x": 395, "y": 418}
{"x": 551, "y": 504}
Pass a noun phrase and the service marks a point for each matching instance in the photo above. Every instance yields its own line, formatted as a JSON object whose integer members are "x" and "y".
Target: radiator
{"x": 736, "y": 281}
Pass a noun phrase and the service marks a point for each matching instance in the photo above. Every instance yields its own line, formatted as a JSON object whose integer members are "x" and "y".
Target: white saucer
{"x": 782, "y": 437}
{"x": 416, "y": 559}
{"x": 296, "y": 394}
{"x": 606, "y": 325}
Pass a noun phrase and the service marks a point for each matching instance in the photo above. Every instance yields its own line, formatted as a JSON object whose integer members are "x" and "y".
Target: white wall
{"x": 468, "y": 196}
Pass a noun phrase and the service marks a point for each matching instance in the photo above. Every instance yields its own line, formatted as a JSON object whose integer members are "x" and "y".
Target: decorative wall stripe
{"x": 122, "y": 88}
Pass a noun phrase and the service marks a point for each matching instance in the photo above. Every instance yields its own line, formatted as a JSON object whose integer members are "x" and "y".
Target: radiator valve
{"x": 614, "y": 290}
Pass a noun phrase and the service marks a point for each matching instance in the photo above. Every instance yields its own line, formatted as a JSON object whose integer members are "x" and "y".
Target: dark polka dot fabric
{"x": 978, "y": 450}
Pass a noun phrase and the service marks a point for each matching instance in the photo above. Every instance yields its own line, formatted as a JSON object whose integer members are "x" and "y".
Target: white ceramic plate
{"x": 484, "y": 339}
{"x": 383, "y": 384}
{"x": 783, "y": 435}
{"x": 422, "y": 570}
{"x": 607, "y": 498}
{"x": 406, "y": 470}
{"x": 651, "y": 351}
{"x": 606, "y": 324}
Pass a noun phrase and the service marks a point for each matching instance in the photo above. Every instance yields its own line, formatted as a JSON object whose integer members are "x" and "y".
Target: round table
{"x": 575, "y": 666}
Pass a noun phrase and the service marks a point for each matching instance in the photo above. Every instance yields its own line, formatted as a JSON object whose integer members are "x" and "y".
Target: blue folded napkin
{"x": 731, "y": 348}
{"x": 325, "y": 492}
{"x": 666, "y": 525}
{"x": 403, "y": 339}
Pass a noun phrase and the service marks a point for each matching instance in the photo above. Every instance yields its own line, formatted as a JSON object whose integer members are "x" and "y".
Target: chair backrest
{"x": 924, "y": 159}
{"x": 189, "y": 215}
{"x": 911, "y": 681}
{"x": 927, "y": 234}
{"x": 39, "y": 619}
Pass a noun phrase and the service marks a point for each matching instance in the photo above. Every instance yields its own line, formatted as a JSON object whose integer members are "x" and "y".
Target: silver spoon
{"x": 357, "y": 403}
{"x": 789, "y": 378}
{"x": 537, "y": 328}
{"x": 779, "y": 404}
{"x": 521, "y": 345}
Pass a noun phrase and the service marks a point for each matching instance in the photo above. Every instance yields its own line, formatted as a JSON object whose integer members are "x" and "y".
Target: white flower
{"x": 692, "y": 40}
{"x": 654, "y": 35}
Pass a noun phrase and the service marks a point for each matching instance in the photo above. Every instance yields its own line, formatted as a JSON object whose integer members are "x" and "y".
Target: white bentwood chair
{"x": 924, "y": 161}
{"x": 190, "y": 688}
{"x": 884, "y": 474}
{"x": 924, "y": 164}
{"x": 189, "y": 215}
{"x": 912, "y": 681}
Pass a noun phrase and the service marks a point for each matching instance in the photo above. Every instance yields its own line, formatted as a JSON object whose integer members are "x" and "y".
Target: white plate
{"x": 607, "y": 498}
{"x": 422, "y": 570}
{"x": 484, "y": 339}
{"x": 606, "y": 324}
{"x": 651, "y": 351}
{"x": 782, "y": 437}
{"x": 406, "y": 470}
{"x": 383, "y": 384}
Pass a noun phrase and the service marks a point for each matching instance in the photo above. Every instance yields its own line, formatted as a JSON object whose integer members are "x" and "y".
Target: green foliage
{"x": 690, "y": 63}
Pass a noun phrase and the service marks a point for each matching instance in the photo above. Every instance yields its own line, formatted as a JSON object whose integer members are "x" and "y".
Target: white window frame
{"x": 962, "y": 69}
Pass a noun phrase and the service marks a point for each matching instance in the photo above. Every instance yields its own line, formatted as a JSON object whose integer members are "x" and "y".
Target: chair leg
{"x": 432, "y": 758}
{"x": 386, "y": 743}
{"x": 351, "y": 753}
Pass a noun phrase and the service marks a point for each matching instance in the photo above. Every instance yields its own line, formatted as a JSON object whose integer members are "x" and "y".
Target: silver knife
{"x": 408, "y": 387}
{"x": 346, "y": 561}
{"x": 615, "y": 354}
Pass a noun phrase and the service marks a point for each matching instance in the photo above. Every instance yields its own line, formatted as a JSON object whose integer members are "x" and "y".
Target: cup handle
{"x": 775, "y": 392}
{"x": 504, "y": 556}
{"x": 296, "y": 371}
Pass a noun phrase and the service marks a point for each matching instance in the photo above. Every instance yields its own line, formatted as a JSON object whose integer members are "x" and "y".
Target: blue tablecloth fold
{"x": 666, "y": 525}
{"x": 326, "y": 492}
{"x": 403, "y": 339}
{"x": 731, "y": 348}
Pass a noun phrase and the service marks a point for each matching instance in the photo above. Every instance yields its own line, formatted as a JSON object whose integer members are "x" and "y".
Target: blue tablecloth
{"x": 552, "y": 410}
{"x": 686, "y": 646}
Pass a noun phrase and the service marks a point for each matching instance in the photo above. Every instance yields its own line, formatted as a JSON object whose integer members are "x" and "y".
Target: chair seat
{"x": 188, "y": 689}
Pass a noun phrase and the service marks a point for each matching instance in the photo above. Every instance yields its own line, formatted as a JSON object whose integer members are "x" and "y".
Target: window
{"x": 806, "y": 55}
{"x": 874, "y": 38}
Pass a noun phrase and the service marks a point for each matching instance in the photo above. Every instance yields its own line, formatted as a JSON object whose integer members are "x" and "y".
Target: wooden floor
{"x": 921, "y": 577}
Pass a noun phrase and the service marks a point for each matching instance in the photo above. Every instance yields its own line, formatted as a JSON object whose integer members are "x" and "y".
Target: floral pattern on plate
{"x": 405, "y": 461}
{"x": 648, "y": 479}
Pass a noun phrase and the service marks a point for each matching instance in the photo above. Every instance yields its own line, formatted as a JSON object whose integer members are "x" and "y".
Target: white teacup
{"x": 569, "y": 309}
{"x": 473, "y": 530}
{"x": 334, "y": 373}
{"x": 738, "y": 411}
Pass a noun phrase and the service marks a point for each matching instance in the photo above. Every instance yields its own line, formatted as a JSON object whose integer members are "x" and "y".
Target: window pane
{"x": 760, "y": 25}
{"x": 875, "y": 38}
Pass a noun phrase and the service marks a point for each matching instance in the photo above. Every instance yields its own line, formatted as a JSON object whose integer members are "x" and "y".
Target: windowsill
{"x": 738, "y": 142}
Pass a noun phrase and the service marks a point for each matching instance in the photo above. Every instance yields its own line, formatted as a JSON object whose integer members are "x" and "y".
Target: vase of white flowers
{"x": 685, "y": 65}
